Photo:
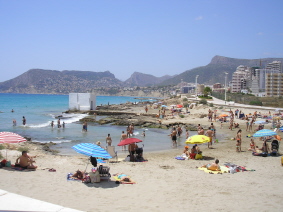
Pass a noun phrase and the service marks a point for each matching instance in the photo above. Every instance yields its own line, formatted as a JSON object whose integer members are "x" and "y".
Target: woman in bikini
{"x": 252, "y": 145}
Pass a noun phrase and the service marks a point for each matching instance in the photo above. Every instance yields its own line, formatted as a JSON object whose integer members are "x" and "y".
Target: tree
{"x": 206, "y": 91}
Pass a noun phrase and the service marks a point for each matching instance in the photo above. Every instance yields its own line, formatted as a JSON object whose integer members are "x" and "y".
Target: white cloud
{"x": 199, "y": 18}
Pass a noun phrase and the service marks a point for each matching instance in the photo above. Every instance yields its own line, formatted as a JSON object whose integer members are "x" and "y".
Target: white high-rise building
{"x": 275, "y": 65}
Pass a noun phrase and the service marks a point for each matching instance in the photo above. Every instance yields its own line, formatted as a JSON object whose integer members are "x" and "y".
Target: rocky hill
{"x": 144, "y": 80}
{"x": 50, "y": 81}
{"x": 214, "y": 71}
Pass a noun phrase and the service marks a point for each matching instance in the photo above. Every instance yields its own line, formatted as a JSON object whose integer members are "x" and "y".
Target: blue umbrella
{"x": 163, "y": 105}
{"x": 281, "y": 129}
{"x": 261, "y": 122}
{"x": 264, "y": 132}
{"x": 93, "y": 150}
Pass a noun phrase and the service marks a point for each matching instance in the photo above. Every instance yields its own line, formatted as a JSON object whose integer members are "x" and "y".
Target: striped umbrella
{"x": 264, "y": 132}
{"x": 281, "y": 129}
{"x": 93, "y": 150}
{"x": 9, "y": 137}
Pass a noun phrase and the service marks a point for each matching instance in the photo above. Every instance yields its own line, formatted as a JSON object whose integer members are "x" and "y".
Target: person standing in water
{"x": 108, "y": 140}
{"x": 24, "y": 120}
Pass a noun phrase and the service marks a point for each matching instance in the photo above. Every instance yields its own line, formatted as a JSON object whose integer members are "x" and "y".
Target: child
{"x": 143, "y": 133}
{"x": 238, "y": 146}
{"x": 187, "y": 134}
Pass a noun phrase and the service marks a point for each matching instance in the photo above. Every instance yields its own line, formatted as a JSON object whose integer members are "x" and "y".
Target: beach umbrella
{"x": 281, "y": 129}
{"x": 172, "y": 105}
{"x": 264, "y": 132}
{"x": 92, "y": 150}
{"x": 223, "y": 115}
{"x": 198, "y": 139}
{"x": 129, "y": 141}
{"x": 9, "y": 138}
{"x": 179, "y": 106}
{"x": 163, "y": 105}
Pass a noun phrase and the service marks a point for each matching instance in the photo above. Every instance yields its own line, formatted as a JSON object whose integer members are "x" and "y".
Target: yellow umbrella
{"x": 197, "y": 139}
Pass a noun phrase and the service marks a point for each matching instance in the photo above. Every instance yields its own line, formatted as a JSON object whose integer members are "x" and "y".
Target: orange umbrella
{"x": 223, "y": 115}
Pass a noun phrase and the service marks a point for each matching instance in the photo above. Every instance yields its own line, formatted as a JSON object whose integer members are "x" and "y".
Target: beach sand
{"x": 163, "y": 183}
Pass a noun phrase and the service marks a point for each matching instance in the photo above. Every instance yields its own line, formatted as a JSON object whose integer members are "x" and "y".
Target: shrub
{"x": 182, "y": 116}
{"x": 23, "y": 148}
{"x": 203, "y": 101}
{"x": 256, "y": 102}
{"x": 210, "y": 104}
{"x": 185, "y": 100}
{"x": 2, "y": 146}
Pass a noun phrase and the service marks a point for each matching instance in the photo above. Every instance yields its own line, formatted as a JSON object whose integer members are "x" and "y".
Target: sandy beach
{"x": 163, "y": 183}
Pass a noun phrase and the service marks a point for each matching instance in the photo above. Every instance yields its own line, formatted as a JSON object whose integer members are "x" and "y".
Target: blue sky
{"x": 158, "y": 37}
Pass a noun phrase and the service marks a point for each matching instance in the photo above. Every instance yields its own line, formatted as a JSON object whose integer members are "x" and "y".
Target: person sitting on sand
{"x": 123, "y": 178}
{"x": 186, "y": 151}
{"x": 26, "y": 161}
{"x": 213, "y": 166}
{"x": 252, "y": 145}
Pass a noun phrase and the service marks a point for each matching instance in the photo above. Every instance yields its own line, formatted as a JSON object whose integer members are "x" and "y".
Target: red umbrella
{"x": 179, "y": 106}
{"x": 9, "y": 137}
{"x": 129, "y": 141}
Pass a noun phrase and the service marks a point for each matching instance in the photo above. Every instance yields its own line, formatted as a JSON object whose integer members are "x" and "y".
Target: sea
{"x": 41, "y": 109}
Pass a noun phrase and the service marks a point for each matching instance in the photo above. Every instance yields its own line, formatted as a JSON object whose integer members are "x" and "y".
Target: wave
{"x": 70, "y": 118}
{"x": 53, "y": 141}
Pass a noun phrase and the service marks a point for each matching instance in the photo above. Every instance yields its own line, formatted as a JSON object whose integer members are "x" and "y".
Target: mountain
{"x": 50, "y": 81}
{"x": 214, "y": 71}
{"x": 144, "y": 80}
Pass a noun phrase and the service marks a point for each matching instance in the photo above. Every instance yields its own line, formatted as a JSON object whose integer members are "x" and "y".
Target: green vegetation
{"x": 256, "y": 102}
{"x": 185, "y": 99}
{"x": 203, "y": 101}
{"x": 24, "y": 148}
{"x": 2, "y": 146}
{"x": 182, "y": 116}
{"x": 211, "y": 105}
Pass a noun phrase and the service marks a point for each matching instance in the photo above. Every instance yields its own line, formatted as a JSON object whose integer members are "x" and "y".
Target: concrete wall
{"x": 82, "y": 101}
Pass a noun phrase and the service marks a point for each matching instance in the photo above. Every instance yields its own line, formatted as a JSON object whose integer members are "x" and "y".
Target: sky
{"x": 157, "y": 37}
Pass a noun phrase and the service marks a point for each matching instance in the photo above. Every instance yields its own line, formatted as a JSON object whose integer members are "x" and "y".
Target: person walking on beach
{"x": 209, "y": 133}
{"x": 108, "y": 140}
{"x": 24, "y": 120}
{"x": 123, "y": 137}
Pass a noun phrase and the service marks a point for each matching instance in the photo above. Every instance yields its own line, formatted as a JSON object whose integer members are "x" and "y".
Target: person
{"x": 132, "y": 148}
{"x": 79, "y": 175}
{"x": 193, "y": 152}
{"x": 12, "y": 110}
{"x": 187, "y": 134}
{"x": 209, "y": 133}
{"x": 108, "y": 140}
{"x": 239, "y": 139}
{"x": 98, "y": 143}
{"x": 252, "y": 145}
{"x": 63, "y": 125}
{"x": 123, "y": 178}
{"x": 174, "y": 137}
{"x": 212, "y": 166}
{"x": 25, "y": 161}
{"x": 14, "y": 122}
{"x": 143, "y": 133}
{"x": 213, "y": 129}
{"x": 179, "y": 131}
{"x": 123, "y": 137}
{"x": 85, "y": 127}
{"x": 52, "y": 124}
{"x": 265, "y": 147}
{"x": 247, "y": 123}
{"x": 146, "y": 109}
{"x": 186, "y": 151}
{"x": 201, "y": 131}
{"x": 24, "y": 120}
{"x": 58, "y": 123}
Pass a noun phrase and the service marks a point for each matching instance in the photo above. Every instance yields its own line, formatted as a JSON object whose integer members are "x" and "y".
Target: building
{"x": 82, "y": 101}
{"x": 239, "y": 78}
{"x": 275, "y": 65}
{"x": 274, "y": 85}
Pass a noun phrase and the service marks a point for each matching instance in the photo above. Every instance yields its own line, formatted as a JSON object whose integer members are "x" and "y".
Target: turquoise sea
{"x": 40, "y": 109}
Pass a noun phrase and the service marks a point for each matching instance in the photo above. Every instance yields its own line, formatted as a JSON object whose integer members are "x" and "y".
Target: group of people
{"x": 58, "y": 123}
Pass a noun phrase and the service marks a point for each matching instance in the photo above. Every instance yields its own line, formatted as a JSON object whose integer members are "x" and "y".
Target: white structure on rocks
{"x": 82, "y": 101}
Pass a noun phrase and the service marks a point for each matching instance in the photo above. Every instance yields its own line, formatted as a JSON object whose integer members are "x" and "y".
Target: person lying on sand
{"x": 79, "y": 175}
{"x": 123, "y": 177}
{"x": 25, "y": 161}
{"x": 212, "y": 166}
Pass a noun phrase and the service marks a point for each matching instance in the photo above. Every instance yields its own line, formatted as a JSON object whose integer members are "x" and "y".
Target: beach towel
{"x": 122, "y": 182}
{"x": 180, "y": 158}
{"x": 69, "y": 177}
{"x": 224, "y": 169}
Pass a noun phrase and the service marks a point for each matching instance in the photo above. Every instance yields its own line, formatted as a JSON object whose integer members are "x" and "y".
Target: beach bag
{"x": 198, "y": 156}
{"x": 94, "y": 177}
{"x": 8, "y": 164}
{"x": 264, "y": 154}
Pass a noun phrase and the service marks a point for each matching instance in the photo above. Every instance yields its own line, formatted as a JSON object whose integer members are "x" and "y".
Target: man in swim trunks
{"x": 174, "y": 137}
{"x": 213, "y": 166}
{"x": 25, "y": 161}
{"x": 209, "y": 133}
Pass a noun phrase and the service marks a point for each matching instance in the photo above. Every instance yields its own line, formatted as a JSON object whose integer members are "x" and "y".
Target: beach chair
{"x": 112, "y": 152}
{"x": 104, "y": 172}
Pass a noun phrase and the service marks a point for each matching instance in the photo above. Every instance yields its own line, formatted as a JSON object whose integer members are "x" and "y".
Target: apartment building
{"x": 274, "y": 84}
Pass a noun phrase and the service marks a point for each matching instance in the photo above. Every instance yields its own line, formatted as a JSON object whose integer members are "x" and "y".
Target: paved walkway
{"x": 14, "y": 202}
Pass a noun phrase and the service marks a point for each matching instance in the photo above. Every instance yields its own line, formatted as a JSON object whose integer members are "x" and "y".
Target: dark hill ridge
{"x": 214, "y": 71}
{"x": 140, "y": 79}
{"x": 50, "y": 81}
